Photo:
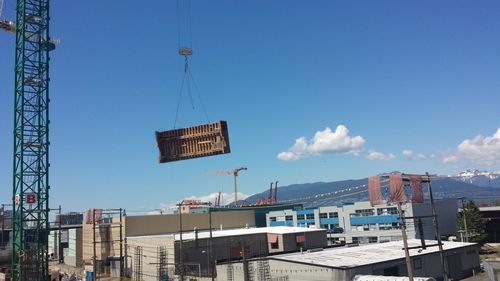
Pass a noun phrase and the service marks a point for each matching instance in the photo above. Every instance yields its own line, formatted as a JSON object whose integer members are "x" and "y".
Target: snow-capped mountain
{"x": 479, "y": 178}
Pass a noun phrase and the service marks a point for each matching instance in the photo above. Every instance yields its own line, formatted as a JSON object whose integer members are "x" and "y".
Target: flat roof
{"x": 489, "y": 209}
{"x": 349, "y": 257}
{"x": 246, "y": 231}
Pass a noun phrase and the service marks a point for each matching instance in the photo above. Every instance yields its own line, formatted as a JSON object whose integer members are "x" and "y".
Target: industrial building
{"x": 246, "y": 242}
{"x": 110, "y": 239}
{"x": 5, "y": 236}
{"x": 359, "y": 222}
{"x": 492, "y": 218}
{"x": 343, "y": 263}
{"x": 146, "y": 253}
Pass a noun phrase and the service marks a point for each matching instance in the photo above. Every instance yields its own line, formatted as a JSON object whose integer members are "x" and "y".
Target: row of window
{"x": 373, "y": 226}
{"x": 331, "y": 215}
{"x": 307, "y": 216}
{"x": 287, "y": 218}
{"x": 364, "y": 240}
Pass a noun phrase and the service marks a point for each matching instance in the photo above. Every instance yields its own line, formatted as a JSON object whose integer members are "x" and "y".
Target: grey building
{"x": 246, "y": 242}
{"x": 360, "y": 223}
{"x": 343, "y": 263}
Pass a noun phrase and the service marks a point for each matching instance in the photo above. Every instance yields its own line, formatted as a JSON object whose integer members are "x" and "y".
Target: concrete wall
{"x": 278, "y": 271}
{"x": 288, "y": 243}
{"x": 149, "y": 258}
{"x": 164, "y": 224}
{"x": 108, "y": 235}
{"x": 74, "y": 255}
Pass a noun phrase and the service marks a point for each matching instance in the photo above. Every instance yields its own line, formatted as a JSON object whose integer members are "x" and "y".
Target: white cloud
{"x": 288, "y": 156}
{"x": 484, "y": 151}
{"x": 326, "y": 141}
{"x": 226, "y": 198}
{"x": 408, "y": 153}
{"x": 375, "y": 155}
{"x": 171, "y": 207}
{"x": 422, "y": 156}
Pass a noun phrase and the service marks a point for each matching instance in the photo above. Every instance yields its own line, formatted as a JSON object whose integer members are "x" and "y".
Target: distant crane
{"x": 235, "y": 173}
{"x": 272, "y": 198}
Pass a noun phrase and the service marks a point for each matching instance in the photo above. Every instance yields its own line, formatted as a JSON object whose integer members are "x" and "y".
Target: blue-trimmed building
{"x": 360, "y": 223}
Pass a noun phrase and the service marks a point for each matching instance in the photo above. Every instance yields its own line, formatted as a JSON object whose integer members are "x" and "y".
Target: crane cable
{"x": 186, "y": 52}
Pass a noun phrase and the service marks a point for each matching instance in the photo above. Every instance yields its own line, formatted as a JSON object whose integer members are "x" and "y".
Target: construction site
{"x": 409, "y": 232}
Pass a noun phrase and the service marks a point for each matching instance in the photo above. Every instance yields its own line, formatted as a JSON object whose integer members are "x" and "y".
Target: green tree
{"x": 471, "y": 225}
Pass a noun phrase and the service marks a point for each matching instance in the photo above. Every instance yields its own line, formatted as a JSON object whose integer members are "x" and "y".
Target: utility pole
{"x": 94, "y": 258}
{"x": 409, "y": 267}
{"x": 436, "y": 227}
{"x": 59, "y": 248}
{"x": 211, "y": 262}
{"x": 465, "y": 223}
{"x": 3, "y": 226}
{"x": 246, "y": 274}
{"x": 121, "y": 243}
{"x": 181, "y": 257}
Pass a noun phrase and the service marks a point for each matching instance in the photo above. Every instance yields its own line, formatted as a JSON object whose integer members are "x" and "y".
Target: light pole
{"x": 181, "y": 259}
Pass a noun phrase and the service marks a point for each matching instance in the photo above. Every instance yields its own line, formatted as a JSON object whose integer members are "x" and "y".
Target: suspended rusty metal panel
{"x": 193, "y": 142}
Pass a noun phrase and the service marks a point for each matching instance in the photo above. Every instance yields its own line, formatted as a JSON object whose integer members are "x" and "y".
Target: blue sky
{"x": 420, "y": 76}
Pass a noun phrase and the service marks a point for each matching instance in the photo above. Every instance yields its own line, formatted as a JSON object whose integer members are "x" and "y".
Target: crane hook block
{"x": 185, "y": 51}
{"x": 193, "y": 142}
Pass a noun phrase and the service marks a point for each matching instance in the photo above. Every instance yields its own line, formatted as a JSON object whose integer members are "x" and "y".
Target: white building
{"x": 360, "y": 223}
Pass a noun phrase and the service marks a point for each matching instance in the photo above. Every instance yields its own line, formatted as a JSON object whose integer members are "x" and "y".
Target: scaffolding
{"x": 104, "y": 221}
{"x": 162, "y": 263}
{"x": 138, "y": 263}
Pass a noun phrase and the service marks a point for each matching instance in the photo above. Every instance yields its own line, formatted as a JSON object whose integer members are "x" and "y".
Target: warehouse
{"x": 143, "y": 237}
{"x": 343, "y": 263}
{"x": 246, "y": 242}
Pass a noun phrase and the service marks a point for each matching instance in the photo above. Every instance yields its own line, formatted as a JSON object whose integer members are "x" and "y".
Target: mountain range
{"x": 472, "y": 185}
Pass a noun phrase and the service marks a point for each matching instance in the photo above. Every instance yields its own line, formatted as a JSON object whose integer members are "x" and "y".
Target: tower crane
{"x": 235, "y": 173}
{"x": 30, "y": 198}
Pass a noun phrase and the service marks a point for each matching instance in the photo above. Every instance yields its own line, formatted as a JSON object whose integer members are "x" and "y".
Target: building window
{"x": 355, "y": 240}
{"x": 387, "y": 211}
{"x": 324, "y": 226}
{"x": 363, "y": 213}
{"x": 300, "y": 217}
{"x": 364, "y": 227}
{"x": 272, "y": 218}
{"x": 323, "y": 215}
{"x": 417, "y": 263}
{"x": 273, "y": 241}
{"x": 289, "y": 218}
{"x": 333, "y": 215}
{"x": 310, "y": 216}
{"x": 372, "y": 239}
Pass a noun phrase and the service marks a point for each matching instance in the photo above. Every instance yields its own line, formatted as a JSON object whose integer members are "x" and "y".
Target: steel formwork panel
{"x": 193, "y": 142}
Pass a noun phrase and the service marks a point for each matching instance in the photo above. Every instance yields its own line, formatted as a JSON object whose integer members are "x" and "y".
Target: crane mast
{"x": 30, "y": 227}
